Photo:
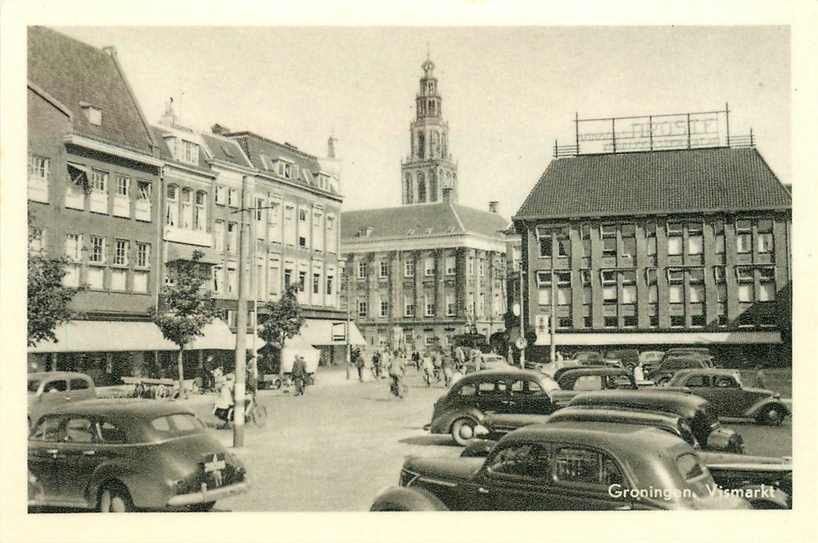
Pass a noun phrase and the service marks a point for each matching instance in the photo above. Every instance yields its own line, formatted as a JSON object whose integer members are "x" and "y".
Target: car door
{"x": 54, "y": 392}
{"x": 585, "y": 479}
{"x": 732, "y": 400}
{"x": 80, "y": 388}
{"x": 80, "y": 457}
{"x": 43, "y": 451}
{"x": 516, "y": 478}
{"x": 533, "y": 399}
{"x": 489, "y": 398}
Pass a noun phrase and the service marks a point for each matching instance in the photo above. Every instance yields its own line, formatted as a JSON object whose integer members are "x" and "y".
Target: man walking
{"x": 359, "y": 363}
{"x": 299, "y": 374}
{"x": 397, "y": 369}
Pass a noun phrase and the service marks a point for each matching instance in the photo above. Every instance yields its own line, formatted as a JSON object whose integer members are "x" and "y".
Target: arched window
{"x": 408, "y": 193}
{"x": 421, "y": 188}
{"x": 200, "y": 212}
{"x": 421, "y": 145}
{"x": 432, "y": 186}
{"x": 435, "y": 146}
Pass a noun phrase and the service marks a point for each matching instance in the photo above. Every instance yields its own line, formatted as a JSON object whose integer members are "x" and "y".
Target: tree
{"x": 48, "y": 300}
{"x": 282, "y": 319}
{"x": 185, "y": 308}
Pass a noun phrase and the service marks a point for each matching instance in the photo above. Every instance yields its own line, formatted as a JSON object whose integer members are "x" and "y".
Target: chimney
{"x": 447, "y": 195}
{"x": 331, "y": 147}
{"x": 493, "y": 206}
{"x": 219, "y": 129}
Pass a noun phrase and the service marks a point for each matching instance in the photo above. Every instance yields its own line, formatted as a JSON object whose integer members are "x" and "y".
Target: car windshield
{"x": 34, "y": 385}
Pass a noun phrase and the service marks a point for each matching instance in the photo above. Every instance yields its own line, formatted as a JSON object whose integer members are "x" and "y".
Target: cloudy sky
{"x": 508, "y": 92}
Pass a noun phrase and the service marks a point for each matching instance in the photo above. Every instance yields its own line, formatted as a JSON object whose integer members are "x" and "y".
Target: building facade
{"x": 659, "y": 248}
{"x": 418, "y": 274}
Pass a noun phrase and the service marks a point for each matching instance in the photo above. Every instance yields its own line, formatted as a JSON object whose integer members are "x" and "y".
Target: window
{"x": 563, "y": 242}
{"x": 99, "y": 180}
{"x": 332, "y": 240}
{"x": 408, "y": 268}
{"x": 200, "y": 212}
{"x": 384, "y": 307}
{"x": 582, "y": 466}
{"x": 695, "y": 278}
{"x": 676, "y": 288}
{"x": 36, "y": 242}
{"x": 429, "y": 266}
{"x": 721, "y": 286}
{"x": 187, "y": 209}
{"x": 123, "y": 185}
{"x": 218, "y": 236}
{"x": 362, "y": 309}
{"x": 585, "y": 236}
{"x": 526, "y": 460}
{"x": 650, "y": 279}
{"x": 766, "y": 287}
{"x": 316, "y": 283}
{"x": 330, "y": 280}
{"x": 97, "y": 255}
{"x": 745, "y": 287}
{"x": 451, "y": 265}
{"x": 451, "y": 306}
{"x": 172, "y": 206}
{"x": 303, "y": 235}
{"x": 421, "y": 188}
{"x": 220, "y": 194}
{"x": 764, "y": 242}
{"x": 38, "y": 167}
{"x": 302, "y": 281}
{"x": 361, "y": 270}
{"x": 650, "y": 235}
{"x": 563, "y": 288}
{"x": 121, "y": 253}
{"x": 628, "y": 287}
{"x": 408, "y": 307}
{"x": 383, "y": 269}
{"x": 73, "y": 247}
{"x": 744, "y": 236}
{"x": 677, "y": 321}
{"x": 482, "y": 269}
{"x": 674, "y": 238}
{"x": 232, "y": 285}
{"x": 92, "y": 114}
{"x": 190, "y": 152}
{"x": 289, "y": 223}
{"x": 428, "y": 302}
{"x": 718, "y": 236}
{"x": 108, "y": 433}
{"x": 695, "y": 241}
{"x": 609, "y": 286}
{"x": 218, "y": 279}
{"x": 608, "y": 240}
{"x": 628, "y": 240}
{"x": 317, "y": 230}
{"x": 233, "y": 197}
{"x": 288, "y": 277}
{"x": 232, "y": 237}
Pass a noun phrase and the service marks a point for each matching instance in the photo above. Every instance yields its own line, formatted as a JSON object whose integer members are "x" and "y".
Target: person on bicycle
{"x": 397, "y": 369}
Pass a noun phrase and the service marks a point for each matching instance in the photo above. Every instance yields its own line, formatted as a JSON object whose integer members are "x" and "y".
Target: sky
{"x": 508, "y": 92}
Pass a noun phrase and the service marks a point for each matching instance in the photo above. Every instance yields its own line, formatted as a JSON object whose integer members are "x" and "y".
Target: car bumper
{"x": 205, "y": 495}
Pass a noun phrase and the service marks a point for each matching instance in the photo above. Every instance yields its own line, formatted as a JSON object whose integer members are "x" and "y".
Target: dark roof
{"x": 640, "y": 399}
{"x": 423, "y": 220}
{"x": 159, "y": 135}
{"x": 73, "y": 73}
{"x": 226, "y": 150}
{"x": 622, "y": 438}
{"x": 717, "y": 179}
{"x": 121, "y": 407}
{"x": 257, "y": 146}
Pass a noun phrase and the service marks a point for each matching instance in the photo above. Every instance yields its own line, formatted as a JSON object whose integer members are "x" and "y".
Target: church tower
{"x": 429, "y": 168}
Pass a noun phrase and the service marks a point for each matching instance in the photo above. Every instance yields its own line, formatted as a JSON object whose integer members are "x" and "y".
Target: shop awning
{"x": 105, "y": 336}
{"x": 120, "y": 336}
{"x": 328, "y": 332}
{"x": 680, "y": 338}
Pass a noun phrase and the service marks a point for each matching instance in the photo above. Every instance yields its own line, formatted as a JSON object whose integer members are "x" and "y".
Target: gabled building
{"x": 93, "y": 182}
{"x": 421, "y": 273}
{"x": 652, "y": 249}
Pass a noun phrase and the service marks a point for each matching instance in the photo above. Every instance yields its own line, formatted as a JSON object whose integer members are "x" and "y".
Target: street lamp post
{"x": 348, "y": 266}
{"x": 241, "y": 328}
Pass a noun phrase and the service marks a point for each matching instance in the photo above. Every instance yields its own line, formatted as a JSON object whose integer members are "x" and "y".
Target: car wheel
{"x": 772, "y": 415}
{"x": 663, "y": 380}
{"x": 277, "y": 384}
{"x": 201, "y": 507}
{"x": 115, "y": 499}
{"x": 463, "y": 431}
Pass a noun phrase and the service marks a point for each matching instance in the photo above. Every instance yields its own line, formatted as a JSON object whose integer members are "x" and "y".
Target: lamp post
{"x": 241, "y": 328}
{"x": 348, "y": 266}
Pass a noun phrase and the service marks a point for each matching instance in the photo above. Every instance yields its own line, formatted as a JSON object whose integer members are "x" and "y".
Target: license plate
{"x": 214, "y": 466}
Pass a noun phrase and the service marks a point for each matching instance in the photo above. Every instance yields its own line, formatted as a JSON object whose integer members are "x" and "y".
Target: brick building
{"x": 658, "y": 248}
{"x": 430, "y": 269}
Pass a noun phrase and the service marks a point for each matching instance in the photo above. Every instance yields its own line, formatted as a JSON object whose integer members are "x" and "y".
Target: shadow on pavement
{"x": 439, "y": 440}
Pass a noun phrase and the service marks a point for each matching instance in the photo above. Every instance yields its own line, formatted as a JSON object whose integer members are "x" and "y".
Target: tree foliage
{"x": 281, "y": 319}
{"x": 48, "y": 300}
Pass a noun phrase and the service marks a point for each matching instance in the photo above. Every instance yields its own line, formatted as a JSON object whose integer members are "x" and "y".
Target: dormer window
{"x": 189, "y": 152}
{"x": 92, "y": 114}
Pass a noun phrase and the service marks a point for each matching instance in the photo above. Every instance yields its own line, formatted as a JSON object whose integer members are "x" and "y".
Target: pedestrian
{"x": 386, "y": 362}
{"x": 760, "y": 378}
{"x": 459, "y": 356}
{"x": 223, "y": 404}
{"x": 359, "y": 363}
{"x": 299, "y": 374}
{"x": 397, "y": 369}
{"x": 376, "y": 364}
{"x": 475, "y": 359}
{"x": 428, "y": 370}
{"x": 446, "y": 366}
{"x": 416, "y": 360}
{"x": 436, "y": 362}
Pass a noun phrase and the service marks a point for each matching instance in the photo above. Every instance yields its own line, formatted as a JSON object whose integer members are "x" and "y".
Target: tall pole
{"x": 241, "y": 328}
{"x": 254, "y": 279}
{"x": 553, "y": 318}
{"x": 348, "y": 264}
{"x": 522, "y": 315}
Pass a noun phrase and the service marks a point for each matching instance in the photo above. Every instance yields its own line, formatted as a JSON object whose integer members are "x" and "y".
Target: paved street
{"x": 336, "y": 447}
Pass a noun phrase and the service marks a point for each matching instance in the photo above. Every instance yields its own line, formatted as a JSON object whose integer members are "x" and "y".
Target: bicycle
{"x": 257, "y": 414}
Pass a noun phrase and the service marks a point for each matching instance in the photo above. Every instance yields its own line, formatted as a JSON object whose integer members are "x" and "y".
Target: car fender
{"x": 400, "y": 498}
{"x": 754, "y": 409}
{"x": 479, "y": 448}
{"x": 146, "y": 489}
{"x": 448, "y": 419}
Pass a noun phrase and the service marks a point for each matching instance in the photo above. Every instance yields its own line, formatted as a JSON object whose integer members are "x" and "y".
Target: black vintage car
{"x": 564, "y": 466}
{"x": 703, "y": 421}
{"x": 126, "y": 455}
{"x": 492, "y": 391}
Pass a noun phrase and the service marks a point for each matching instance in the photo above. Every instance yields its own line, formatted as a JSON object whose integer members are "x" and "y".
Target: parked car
{"x": 628, "y": 358}
{"x": 48, "y": 389}
{"x": 669, "y": 365}
{"x": 488, "y": 361}
{"x": 649, "y": 360}
{"x": 125, "y": 455}
{"x": 589, "y": 358}
{"x": 492, "y": 391}
{"x": 563, "y": 466}
{"x": 728, "y": 397}
{"x": 700, "y": 416}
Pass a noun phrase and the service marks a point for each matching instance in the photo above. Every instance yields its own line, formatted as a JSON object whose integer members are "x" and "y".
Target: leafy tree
{"x": 48, "y": 300}
{"x": 281, "y": 320}
{"x": 185, "y": 308}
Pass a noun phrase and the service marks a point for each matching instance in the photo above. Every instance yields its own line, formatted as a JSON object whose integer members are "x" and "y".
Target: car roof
{"x": 706, "y": 371}
{"x": 120, "y": 408}
{"x": 57, "y": 375}
{"x": 592, "y": 370}
{"x": 640, "y": 397}
{"x": 615, "y": 415}
{"x": 504, "y": 372}
{"x": 624, "y": 440}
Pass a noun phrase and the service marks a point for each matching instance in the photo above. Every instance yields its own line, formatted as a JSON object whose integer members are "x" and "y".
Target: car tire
{"x": 201, "y": 507}
{"x": 114, "y": 498}
{"x": 463, "y": 431}
{"x": 663, "y": 380}
{"x": 772, "y": 415}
